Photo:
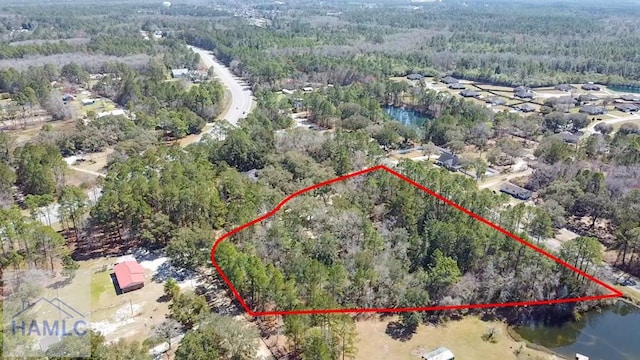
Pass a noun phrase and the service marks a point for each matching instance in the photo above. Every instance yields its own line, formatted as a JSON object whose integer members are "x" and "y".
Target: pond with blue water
{"x": 611, "y": 333}
{"x": 405, "y": 116}
{"x": 624, "y": 89}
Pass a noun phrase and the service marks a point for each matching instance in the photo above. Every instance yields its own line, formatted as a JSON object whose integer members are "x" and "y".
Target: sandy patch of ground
{"x": 93, "y": 161}
{"x": 131, "y": 315}
{"x": 463, "y": 338}
{"x": 33, "y": 128}
{"x": 409, "y": 155}
{"x": 565, "y": 235}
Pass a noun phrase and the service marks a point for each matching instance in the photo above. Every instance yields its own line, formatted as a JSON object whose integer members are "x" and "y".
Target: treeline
{"x": 498, "y": 44}
{"x": 101, "y": 44}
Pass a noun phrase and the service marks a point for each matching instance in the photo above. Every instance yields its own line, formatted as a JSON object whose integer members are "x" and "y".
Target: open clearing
{"x": 132, "y": 315}
{"x": 462, "y": 337}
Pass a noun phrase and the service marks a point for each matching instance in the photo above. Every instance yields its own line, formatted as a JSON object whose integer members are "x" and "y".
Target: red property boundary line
{"x": 615, "y": 293}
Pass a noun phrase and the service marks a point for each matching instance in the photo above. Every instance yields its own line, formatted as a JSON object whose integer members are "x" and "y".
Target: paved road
{"x": 591, "y": 128}
{"x": 241, "y": 102}
{"x": 241, "y": 96}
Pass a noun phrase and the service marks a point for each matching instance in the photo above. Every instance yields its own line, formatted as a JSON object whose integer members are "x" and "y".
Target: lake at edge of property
{"x": 624, "y": 89}
{"x": 611, "y": 333}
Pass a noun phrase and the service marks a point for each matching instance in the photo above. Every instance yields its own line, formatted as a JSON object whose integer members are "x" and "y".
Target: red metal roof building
{"x": 130, "y": 275}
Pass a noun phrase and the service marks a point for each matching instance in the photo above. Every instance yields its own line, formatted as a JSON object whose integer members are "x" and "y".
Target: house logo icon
{"x": 49, "y": 320}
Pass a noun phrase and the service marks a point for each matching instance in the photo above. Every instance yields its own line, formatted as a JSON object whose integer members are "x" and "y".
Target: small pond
{"x": 405, "y": 116}
{"x": 624, "y": 89}
{"x": 612, "y": 333}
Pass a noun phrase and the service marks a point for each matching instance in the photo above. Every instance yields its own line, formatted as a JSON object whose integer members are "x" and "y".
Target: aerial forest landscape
{"x": 304, "y": 180}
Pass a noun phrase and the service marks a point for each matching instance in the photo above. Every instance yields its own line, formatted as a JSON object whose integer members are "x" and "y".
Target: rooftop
{"x": 569, "y": 137}
{"x": 627, "y": 107}
{"x": 515, "y": 191}
{"x": 129, "y": 273}
{"x": 526, "y": 107}
{"x": 591, "y": 87}
{"x": 179, "y": 72}
{"x": 593, "y": 110}
{"x": 469, "y": 93}
{"x": 441, "y": 353}
{"x": 449, "y": 80}
{"x": 564, "y": 87}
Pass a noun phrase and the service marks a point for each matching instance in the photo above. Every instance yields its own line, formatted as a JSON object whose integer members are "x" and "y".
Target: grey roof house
{"x": 456, "y": 86}
{"x": 524, "y": 94}
{"x": 588, "y": 97}
{"x": 630, "y": 97}
{"x": 564, "y": 87}
{"x": 522, "y": 88}
{"x": 516, "y": 191}
{"x": 593, "y": 110}
{"x": 627, "y": 107}
{"x": 526, "y": 108}
{"x": 497, "y": 101}
{"x": 415, "y": 77}
{"x": 449, "y": 161}
{"x": 469, "y": 93}
{"x": 449, "y": 80}
{"x": 569, "y": 137}
{"x": 591, "y": 87}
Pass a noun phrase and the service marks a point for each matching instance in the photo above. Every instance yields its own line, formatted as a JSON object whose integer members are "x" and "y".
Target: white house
{"x": 441, "y": 353}
{"x": 86, "y": 102}
{"x": 179, "y": 73}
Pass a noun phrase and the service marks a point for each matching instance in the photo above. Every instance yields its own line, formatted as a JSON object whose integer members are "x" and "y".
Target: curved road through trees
{"x": 241, "y": 99}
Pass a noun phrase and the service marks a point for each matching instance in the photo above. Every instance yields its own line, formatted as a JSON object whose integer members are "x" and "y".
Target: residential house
{"x": 526, "y": 108}
{"x": 627, "y": 107}
{"x": 86, "y": 102}
{"x": 564, "y": 87}
{"x": 449, "y": 161}
{"x": 522, "y": 89}
{"x": 130, "y": 275}
{"x": 588, "y": 98}
{"x": 180, "y": 73}
{"x": 497, "y": 101}
{"x": 469, "y": 93}
{"x": 307, "y": 89}
{"x": 515, "y": 191}
{"x": 441, "y": 353}
{"x": 593, "y": 110}
{"x": 630, "y": 97}
{"x": 569, "y": 138}
{"x": 449, "y": 80}
{"x": 287, "y": 92}
{"x": 456, "y": 86}
{"x": 524, "y": 94}
{"x": 591, "y": 87}
{"x": 415, "y": 77}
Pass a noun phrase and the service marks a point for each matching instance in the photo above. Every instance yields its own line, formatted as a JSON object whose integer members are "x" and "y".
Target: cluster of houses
{"x": 453, "y": 163}
{"x": 628, "y": 103}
